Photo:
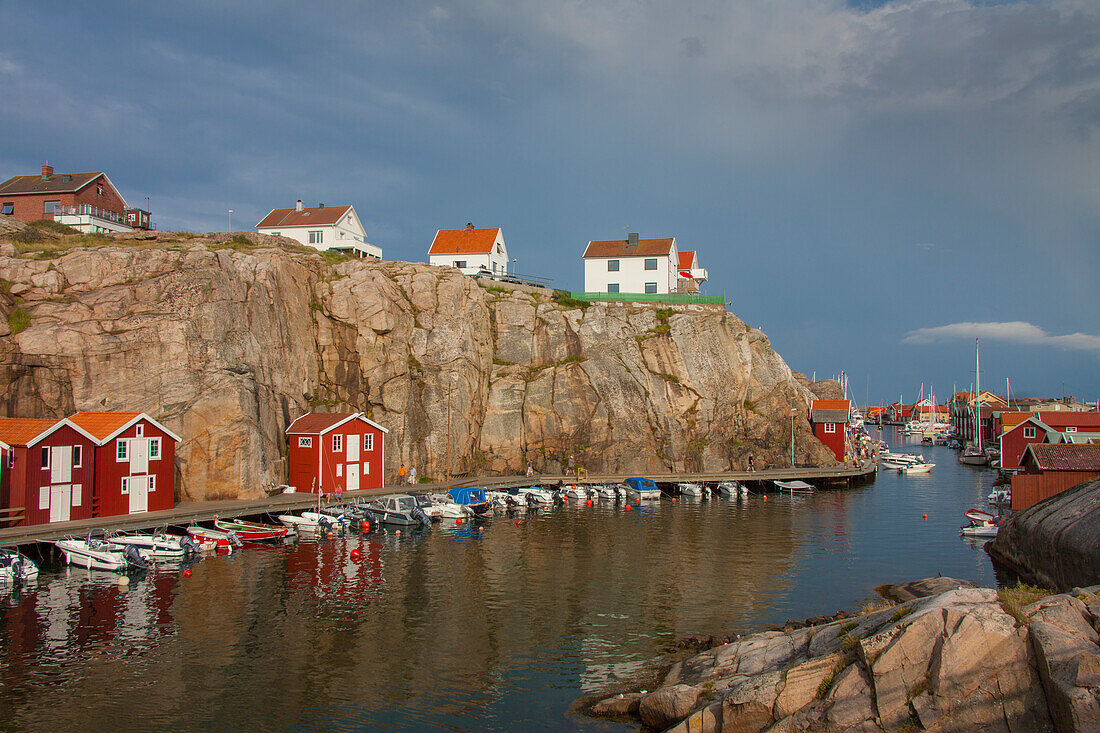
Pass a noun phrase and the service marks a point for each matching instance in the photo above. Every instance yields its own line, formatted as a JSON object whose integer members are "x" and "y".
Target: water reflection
{"x": 494, "y": 626}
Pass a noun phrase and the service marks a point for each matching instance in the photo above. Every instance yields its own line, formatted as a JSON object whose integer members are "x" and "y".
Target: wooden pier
{"x": 203, "y": 511}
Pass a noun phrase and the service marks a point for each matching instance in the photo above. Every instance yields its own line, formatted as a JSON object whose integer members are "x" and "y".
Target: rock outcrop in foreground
{"x": 956, "y": 661}
{"x": 228, "y": 339}
{"x": 1055, "y": 542}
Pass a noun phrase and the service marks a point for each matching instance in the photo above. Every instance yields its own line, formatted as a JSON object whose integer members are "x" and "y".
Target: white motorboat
{"x": 917, "y": 468}
{"x": 302, "y": 524}
{"x": 605, "y": 492}
{"x": 536, "y": 495}
{"x": 442, "y": 506}
{"x": 158, "y": 546}
{"x": 398, "y": 509}
{"x": 732, "y": 489}
{"x": 576, "y": 492}
{"x": 1000, "y": 496}
{"x": 97, "y": 554}
{"x": 15, "y": 567}
{"x": 899, "y": 460}
{"x": 795, "y": 487}
{"x": 692, "y": 489}
{"x": 982, "y": 524}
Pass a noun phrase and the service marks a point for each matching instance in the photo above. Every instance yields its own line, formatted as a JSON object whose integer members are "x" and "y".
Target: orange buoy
{"x": 517, "y": 522}
{"x": 924, "y": 516}
{"x": 355, "y": 554}
{"x": 398, "y": 531}
{"x": 365, "y": 526}
{"x": 765, "y": 497}
{"x": 628, "y": 507}
{"x": 674, "y": 500}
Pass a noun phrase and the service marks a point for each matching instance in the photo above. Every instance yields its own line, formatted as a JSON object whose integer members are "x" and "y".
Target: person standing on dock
{"x": 750, "y": 463}
{"x": 401, "y": 474}
{"x": 530, "y": 469}
{"x": 571, "y": 464}
{"x": 412, "y": 476}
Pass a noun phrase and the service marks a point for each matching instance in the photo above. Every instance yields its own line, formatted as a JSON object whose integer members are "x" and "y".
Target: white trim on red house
{"x": 133, "y": 421}
{"x": 57, "y": 426}
{"x": 360, "y": 415}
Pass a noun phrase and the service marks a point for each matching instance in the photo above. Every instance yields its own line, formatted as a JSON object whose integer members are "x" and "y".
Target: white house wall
{"x": 632, "y": 275}
{"x": 495, "y": 262}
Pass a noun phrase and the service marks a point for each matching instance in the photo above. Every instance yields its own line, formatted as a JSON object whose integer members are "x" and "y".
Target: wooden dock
{"x": 204, "y": 511}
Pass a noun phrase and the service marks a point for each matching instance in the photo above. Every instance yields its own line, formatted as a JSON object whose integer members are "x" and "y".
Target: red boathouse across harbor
{"x": 332, "y": 453}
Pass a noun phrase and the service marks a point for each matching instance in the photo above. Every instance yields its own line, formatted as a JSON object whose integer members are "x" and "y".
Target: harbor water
{"x": 464, "y": 628}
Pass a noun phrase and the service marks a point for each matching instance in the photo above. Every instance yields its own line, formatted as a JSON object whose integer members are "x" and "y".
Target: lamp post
{"x": 231, "y": 220}
{"x": 513, "y": 267}
{"x": 794, "y": 414}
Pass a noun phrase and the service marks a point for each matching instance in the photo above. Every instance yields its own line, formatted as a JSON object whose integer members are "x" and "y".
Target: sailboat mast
{"x": 977, "y": 396}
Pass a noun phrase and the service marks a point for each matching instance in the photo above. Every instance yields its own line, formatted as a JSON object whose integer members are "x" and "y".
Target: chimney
{"x": 469, "y": 226}
{"x": 320, "y": 206}
{"x": 298, "y": 206}
{"x": 47, "y": 170}
{"x": 632, "y": 239}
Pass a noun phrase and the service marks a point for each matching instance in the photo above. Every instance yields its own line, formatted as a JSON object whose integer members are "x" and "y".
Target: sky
{"x": 874, "y": 185}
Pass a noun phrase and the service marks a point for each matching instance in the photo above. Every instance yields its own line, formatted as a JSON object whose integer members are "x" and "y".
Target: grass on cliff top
{"x": 1016, "y": 597}
{"x": 563, "y": 298}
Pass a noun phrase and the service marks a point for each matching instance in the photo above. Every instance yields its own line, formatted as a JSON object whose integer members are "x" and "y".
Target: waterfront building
{"x": 48, "y": 471}
{"x": 321, "y": 227}
{"x": 330, "y": 453}
{"x": 471, "y": 250}
{"x": 689, "y": 274}
{"x": 1048, "y": 469}
{"x": 87, "y": 202}
{"x": 1044, "y": 427}
{"x": 829, "y": 419}
{"x": 135, "y": 462}
{"x": 631, "y": 265}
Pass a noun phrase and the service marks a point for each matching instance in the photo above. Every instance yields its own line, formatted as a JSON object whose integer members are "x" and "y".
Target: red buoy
{"x": 355, "y": 554}
{"x": 588, "y": 503}
{"x": 517, "y": 522}
{"x": 628, "y": 507}
{"x": 365, "y": 526}
{"x": 187, "y": 573}
{"x": 458, "y": 521}
{"x": 674, "y": 500}
{"x": 924, "y": 516}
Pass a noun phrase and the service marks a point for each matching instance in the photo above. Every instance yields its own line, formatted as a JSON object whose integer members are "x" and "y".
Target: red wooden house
{"x": 829, "y": 419}
{"x": 1049, "y": 469}
{"x": 1044, "y": 427}
{"x": 335, "y": 452}
{"x": 48, "y": 471}
{"x": 135, "y": 462}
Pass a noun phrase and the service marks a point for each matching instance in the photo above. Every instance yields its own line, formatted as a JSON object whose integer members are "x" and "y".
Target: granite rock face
{"x": 227, "y": 340}
{"x": 1057, "y": 541}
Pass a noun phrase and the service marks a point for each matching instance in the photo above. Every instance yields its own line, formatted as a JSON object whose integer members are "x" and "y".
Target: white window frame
{"x": 125, "y": 485}
{"x": 316, "y": 237}
{"x": 368, "y": 441}
{"x": 122, "y": 450}
{"x": 305, "y": 441}
{"x": 152, "y": 482}
{"x": 339, "y": 470}
{"x": 830, "y": 427}
{"x": 76, "y": 494}
{"x": 154, "y": 449}
{"x": 1029, "y": 432}
{"x": 139, "y": 430}
{"x": 460, "y": 264}
{"x": 1071, "y": 429}
{"x": 78, "y": 456}
{"x": 337, "y": 443}
{"x": 45, "y": 458}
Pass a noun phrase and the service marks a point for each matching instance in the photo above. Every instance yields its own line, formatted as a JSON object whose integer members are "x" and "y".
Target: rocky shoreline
{"x": 952, "y": 657}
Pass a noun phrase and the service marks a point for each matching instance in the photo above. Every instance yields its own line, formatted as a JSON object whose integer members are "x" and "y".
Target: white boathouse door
{"x": 61, "y": 501}
{"x": 353, "y": 476}
{"x": 351, "y": 470}
{"x": 139, "y": 494}
{"x": 139, "y": 455}
{"x": 61, "y": 490}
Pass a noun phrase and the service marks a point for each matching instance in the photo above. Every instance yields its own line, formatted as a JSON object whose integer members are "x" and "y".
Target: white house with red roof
{"x": 321, "y": 227}
{"x": 689, "y": 275}
{"x": 631, "y": 265}
{"x": 331, "y": 453}
{"x": 471, "y": 250}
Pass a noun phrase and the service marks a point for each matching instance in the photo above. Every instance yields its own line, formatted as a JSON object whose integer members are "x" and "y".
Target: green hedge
{"x": 651, "y": 297}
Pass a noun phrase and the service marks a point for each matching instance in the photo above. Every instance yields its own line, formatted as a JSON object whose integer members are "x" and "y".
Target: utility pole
{"x": 794, "y": 414}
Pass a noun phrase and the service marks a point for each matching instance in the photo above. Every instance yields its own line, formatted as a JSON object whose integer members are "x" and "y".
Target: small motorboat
{"x": 692, "y": 489}
{"x": 472, "y": 498}
{"x": 16, "y": 567}
{"x": 795, "y": 487}
{"x": 974, "y": 456}
{"x": 639, "y": 488}
{"x": 732, "y": 489}
{"x": 604, "y": 492}
{"x": 576, "y": 491}
{"x": 213, "y": 540}
{"x": 536, "y": 495}
{"x": 1000, "y": 496}
{"x": 98, "y": 554}
{"x": 251, "y": 531}
{"x": 400, "y": 510}
{"x": 917, "y": 468}
{"x": 982, "y": 524}
{"x": 899, "y": 460}
{"x": 441, "y": 506}
{"x": 158, "y": 546}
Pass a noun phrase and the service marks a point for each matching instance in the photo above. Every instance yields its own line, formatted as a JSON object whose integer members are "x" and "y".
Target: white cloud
{"x": 1016, "y": 332}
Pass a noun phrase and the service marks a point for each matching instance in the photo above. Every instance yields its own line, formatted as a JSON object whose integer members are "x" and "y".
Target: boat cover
{"x": 467, "y": 495}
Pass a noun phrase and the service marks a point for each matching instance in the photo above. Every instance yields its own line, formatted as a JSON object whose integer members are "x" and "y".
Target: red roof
{"x": 831, "y": 405}
{"x": 307, "y": 217}
{"x": 686, "y": 260}
{"x": 1065, "y": 457}
{"x": 57, "y": 183}
{"x": 464, "y": 241}
{"x": 315, "y": 423}
{"x": 22, "y": 430}
{"x": 1062, "y": 420}
{"x": 102, "y": 424}
{"x": 621, "y": 248}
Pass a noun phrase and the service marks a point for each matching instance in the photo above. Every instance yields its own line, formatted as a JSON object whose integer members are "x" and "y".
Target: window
{"x": 154, "y": 448}
{"x": 121, "y": 450}
{"x": 7, "y": 207}
{"x": 500, "y": 250}
{"x": 276, "y": 234}
{"x": 139, "y": 430}
{"x": 99, "y": 188}
{"x": 152, "y": 482}
{"x": 125, "y": 486}
{"x": 368, "y": 442}
{"x": 316, "y": 237}
{"x": 305, "y": 442}
{"x": 78, "y": 456}
{"x": 651, "y": 287}
{"x": 337, "y": 443}
{"x": 612, "y": 265}
{"x": 339, "y": 469}
{"x": 77, "y": 497}
{"x": 830, "y": 427}
{"x": 651, "y": 263}
{"x": 51, "y": 207}
{"x": 460, "y": 264}
{"x": 1029, "y": 432}
{"x": 1071, "y": 430}
{"x": 45, "y": 458}
{"x": 613, "y": 287}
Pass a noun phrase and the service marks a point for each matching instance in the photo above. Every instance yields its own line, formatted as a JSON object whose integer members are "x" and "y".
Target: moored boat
{"x": 251, "y": 531}
{"x": 917, "y": 468}
{"x": 732, "y": 489}
{"x": 982, "y": 524}
{"x": 639, "y": 488}
{"x": 213, "y": 540}
{"x": 158, "y": 546}
{"x": 400, "y": 510}
{"x": 795, "y": 487}
{"x": 97, "y": 554}
{"x": 692, "y": 489}
{"x": 16, "y": 567}
{"x": 473, "y": 498}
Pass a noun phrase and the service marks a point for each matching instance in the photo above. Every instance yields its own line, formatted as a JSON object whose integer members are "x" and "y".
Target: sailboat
{"x": 974, "y": 455}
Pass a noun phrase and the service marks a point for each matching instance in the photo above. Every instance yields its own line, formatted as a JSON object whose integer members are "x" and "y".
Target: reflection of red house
{"x": 335, "y": 452}
{"x": 829, "y": 419}
{"x": 135, "y": 462}
{"x": 48, "y": 470}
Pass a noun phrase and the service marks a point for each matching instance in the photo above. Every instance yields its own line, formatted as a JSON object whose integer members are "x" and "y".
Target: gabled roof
{"x": 622, "y": 248}
{"x": 318, "y": 216}
{"x": 686, "y": 260}
{"x": 57, "y": 183}
{"x": 23, "y": 430}
{"x": 830, "y": 410}
{"x": 1061, "y": 420}
{"x": 1064, "y": 457}
{"x": 464, "y": 241}
{"x": 319, "y": 423}
{"x": 105, "y": 426}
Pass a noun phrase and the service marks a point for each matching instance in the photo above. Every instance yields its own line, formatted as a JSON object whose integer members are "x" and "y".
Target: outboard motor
{"x": 419, "y": 515}
{"x": 188, "y": 544}
{"x": 234, "y": 540}
{"x": 134, "y": 558}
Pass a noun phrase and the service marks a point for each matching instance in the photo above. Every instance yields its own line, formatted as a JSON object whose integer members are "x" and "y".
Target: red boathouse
{"x": 135, "y": 462}
{"x": 48, "y": 471}
{"x": 330, "y": 453}
{"x": 829, "y": 419}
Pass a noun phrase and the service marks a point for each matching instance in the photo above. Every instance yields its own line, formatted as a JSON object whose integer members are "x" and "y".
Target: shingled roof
{"x": 623, "y": 248}
{"x": 1064, "y": 457}
{"x": 464, "y": 241}
{"x": 57, "y": 183}
{"x": 317, "y": 216}
{"x": 318, "y": 423}
{"x": 822, "y": 411}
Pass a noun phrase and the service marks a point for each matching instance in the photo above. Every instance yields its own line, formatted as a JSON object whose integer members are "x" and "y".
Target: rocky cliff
{"x": 227, "y": 339}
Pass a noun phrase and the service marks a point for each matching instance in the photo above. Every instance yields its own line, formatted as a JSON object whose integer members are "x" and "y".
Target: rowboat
{"x": 982, "y": 524}
{"x": 795, "y": 487}
{"x": 251, "y": 531}
{"x": 97, "y": 554}
{"x": 213, "y": 540}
